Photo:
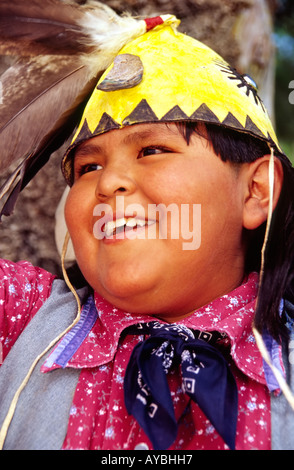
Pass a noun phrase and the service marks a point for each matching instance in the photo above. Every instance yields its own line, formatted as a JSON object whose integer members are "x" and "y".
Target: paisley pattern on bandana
{"x": 206, "y": 379}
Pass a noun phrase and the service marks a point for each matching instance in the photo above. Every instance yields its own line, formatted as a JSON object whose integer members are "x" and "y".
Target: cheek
{"x": 77, "y": 211}
{"x": 169, "y": 184}
{"x": 69, "y": 210}
{"x": 79, "y": 221}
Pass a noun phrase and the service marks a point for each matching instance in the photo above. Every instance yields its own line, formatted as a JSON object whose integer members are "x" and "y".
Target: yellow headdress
{"x": 151, "y": 73}
{"x": 165, "y": 76}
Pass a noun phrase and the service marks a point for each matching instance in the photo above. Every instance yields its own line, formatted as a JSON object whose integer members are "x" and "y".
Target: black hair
{"x": 278, "y": 275}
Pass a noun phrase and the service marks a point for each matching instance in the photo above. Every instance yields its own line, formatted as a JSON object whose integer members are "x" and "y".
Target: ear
{"x": 257, "y": 191}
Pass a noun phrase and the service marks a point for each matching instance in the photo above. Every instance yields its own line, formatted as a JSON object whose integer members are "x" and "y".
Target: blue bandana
{"x": 206, "y": 379}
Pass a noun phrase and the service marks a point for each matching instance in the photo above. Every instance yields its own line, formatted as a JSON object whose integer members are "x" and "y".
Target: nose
{"x": 115, "y": 179}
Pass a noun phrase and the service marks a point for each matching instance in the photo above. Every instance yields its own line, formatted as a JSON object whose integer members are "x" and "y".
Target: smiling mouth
{"x": 124, "y": 224}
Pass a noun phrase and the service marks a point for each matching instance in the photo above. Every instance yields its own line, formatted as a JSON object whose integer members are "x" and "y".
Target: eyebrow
{"x": 86, "y": 149}
{"x": 134, "y": 136}
{"x": 90, "y": 148}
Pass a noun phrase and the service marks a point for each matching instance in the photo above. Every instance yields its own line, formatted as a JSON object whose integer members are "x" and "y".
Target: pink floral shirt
{"x": 98, "y": 418}
{"x": 23, "y": 290}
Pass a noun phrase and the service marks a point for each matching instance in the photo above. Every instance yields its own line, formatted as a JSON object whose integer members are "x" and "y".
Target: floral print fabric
{"x": 23, "y": 290}
{"x": 98, "y": 418}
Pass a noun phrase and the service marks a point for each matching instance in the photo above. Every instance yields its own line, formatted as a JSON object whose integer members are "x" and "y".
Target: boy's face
{"x": 169, "y": 266}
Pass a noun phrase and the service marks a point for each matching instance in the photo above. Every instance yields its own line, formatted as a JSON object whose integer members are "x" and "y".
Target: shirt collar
{"x": 94, "y": 340}
{"x": 232, "y": 314}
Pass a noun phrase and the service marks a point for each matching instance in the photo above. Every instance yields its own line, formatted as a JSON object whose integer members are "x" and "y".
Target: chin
{"x": 121, "y": 291}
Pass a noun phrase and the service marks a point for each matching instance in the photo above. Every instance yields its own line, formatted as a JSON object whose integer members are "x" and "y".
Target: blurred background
{"x": 283, "y": 36}
{"x": 255, "y": 36}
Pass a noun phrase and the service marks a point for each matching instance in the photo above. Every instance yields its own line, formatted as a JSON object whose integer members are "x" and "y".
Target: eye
{"x": 88, "y": 168}
{"x": 156, "y": 150}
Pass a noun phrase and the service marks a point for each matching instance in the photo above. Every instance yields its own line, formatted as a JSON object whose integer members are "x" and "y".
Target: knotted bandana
{"x": 206, "y": 379}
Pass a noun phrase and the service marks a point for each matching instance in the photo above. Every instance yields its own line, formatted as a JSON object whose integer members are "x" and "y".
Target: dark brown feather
{"x": 35, "y": 96}
{"x": 42, "y": 101}
{"x": 57, "y": 134}
{"x": 45, "y": 90}
{"x": 41, "y": 26}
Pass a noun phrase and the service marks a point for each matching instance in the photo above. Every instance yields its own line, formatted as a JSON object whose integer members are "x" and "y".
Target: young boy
{"x": 170, "y": 196}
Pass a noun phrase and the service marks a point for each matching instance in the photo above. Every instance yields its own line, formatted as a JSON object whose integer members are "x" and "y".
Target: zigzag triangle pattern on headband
{"x": 143, "y": 113}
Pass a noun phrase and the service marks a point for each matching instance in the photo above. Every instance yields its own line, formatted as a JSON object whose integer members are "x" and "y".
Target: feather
{"x": 36, "y": 27}
{"x": 61, "y": 49}
{"x": 34, "y": 134}
{"x": 106, "y": 33}
{"x": 35, "y": 95}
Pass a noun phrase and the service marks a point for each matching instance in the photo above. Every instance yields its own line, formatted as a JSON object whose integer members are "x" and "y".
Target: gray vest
{"x": 41, "y": 415}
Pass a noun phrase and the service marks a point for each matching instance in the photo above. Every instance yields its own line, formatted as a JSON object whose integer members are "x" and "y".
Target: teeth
{"x": 131, "y": 223}
{"x": 111, "y": 226}
{"x": 141, "y": 222}
{"x": 120, "y": 222}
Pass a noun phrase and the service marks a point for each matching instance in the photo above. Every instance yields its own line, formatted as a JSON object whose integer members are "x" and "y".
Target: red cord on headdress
{"x": 152, "y": 22}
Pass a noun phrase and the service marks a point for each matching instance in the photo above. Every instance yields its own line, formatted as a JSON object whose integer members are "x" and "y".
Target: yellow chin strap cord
{"x": 9, "y": 416}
